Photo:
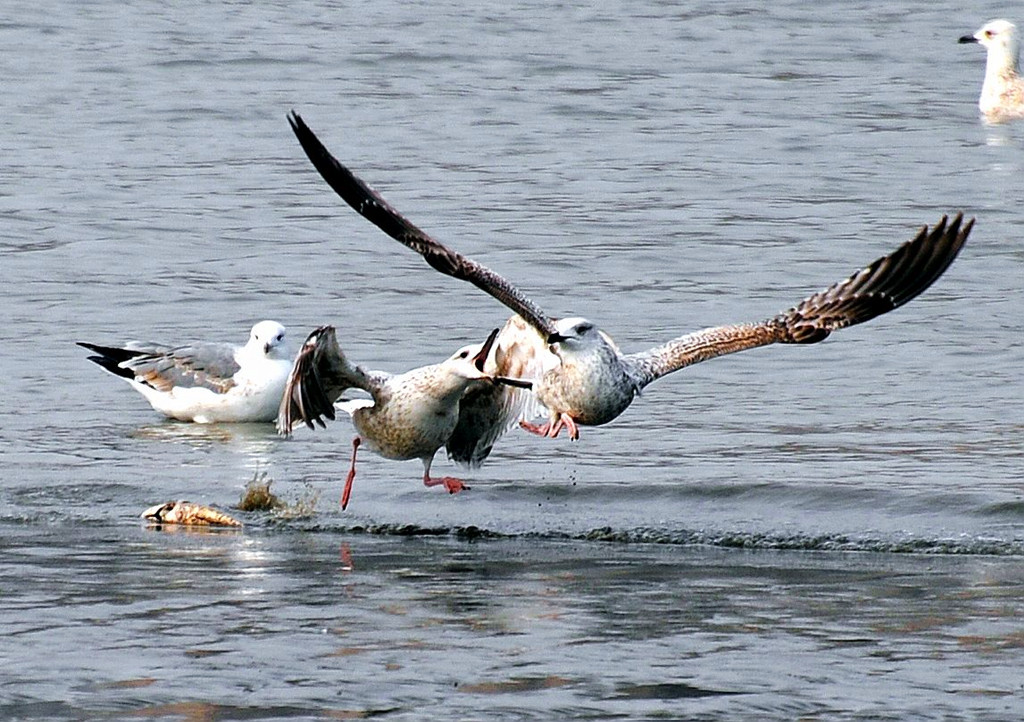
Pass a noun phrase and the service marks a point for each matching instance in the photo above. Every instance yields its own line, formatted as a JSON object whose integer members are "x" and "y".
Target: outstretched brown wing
{"x": 369, "y": 204}
{"x": 886, "y": 284}
{"x": 319, "y": 376}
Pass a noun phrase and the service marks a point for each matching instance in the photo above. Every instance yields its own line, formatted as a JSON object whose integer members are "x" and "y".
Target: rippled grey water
{"x": 832, "y": 532}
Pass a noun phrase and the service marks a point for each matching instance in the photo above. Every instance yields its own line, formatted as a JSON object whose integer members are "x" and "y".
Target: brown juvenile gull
{"x": 206, "y": 382}
{"x": 1002, "y": 93}
{"x": 409, "y": 416}
{"x": 582, "y": 378}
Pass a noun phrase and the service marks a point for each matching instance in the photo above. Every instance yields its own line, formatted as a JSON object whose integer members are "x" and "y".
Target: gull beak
{"x": 968, "y": 39}
{"x": 485, "y": 351}
{"x": 555, "y": 338}
{"x": 267, "y": 347}
{"x": 518, "y": 383}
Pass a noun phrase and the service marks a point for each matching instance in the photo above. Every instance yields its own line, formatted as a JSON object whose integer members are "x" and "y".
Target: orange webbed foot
{"x": 453, "y": 485}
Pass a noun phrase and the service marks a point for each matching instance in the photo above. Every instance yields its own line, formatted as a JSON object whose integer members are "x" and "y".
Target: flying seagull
{"x": 1002, "y": 93}
{"x": 409, "y": 416}
{"x": 206, "y": 382}
{"x": 582, "y": 376}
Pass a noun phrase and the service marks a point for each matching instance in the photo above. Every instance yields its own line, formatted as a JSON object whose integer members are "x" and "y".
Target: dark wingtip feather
{"x": 885, "y": 284}
{"x": 110, "y": 358}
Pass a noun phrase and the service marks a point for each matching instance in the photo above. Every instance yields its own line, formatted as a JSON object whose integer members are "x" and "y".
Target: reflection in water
{"x": 254, "y": 440}
{"x": 252, "y": 444}
{"x": 191, "y": 529}
{"x": 998, "y": 135}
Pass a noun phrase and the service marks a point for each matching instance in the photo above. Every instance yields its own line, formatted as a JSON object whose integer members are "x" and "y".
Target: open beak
{"x": 518, "y": 383}
{"x": 485, "y": 351}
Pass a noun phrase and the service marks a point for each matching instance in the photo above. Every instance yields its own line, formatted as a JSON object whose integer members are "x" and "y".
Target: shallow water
{"x": 831, "y": 532}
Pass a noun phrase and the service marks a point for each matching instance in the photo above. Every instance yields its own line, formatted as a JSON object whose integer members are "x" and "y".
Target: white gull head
{"x": 468, "y": 361}
{"x": 1000, "y": 38}
{"x": 1002, "y": 93}
{"x": 576, "y": 334}
{"x": 266, "y": 336}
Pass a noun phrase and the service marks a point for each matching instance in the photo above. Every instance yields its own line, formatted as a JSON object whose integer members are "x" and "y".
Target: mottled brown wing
{"x": 319, "y": 376}
{"x": 371, "y": 206}
{"x": 888, "y": 283}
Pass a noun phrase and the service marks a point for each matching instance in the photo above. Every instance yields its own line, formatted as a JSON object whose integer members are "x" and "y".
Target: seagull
{"x": 1002, "y": 93}
{"x": 582, "y": 378}
{"x": 206, "y": 382}
{"x": 409, "y": 416}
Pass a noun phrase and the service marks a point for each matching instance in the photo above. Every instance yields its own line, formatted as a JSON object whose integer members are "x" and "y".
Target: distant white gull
{"x": 582, "y": 378}
{"x": 206, "y": 382}
{"x": 1002, "y": 93}
{"x": 410, "y": 415}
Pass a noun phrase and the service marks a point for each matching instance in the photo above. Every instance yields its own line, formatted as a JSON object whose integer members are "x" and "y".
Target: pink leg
{"x": 351, "y": 475}
{"x": 554, "y": 427}
{"x": 452, "y": 484}
{"x": 538, "y": 429}
{"x": 570, "y": 425}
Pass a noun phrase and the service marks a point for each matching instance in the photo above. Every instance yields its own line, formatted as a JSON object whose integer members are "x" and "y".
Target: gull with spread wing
{"x": 580, "y": 376}
{"x": 409, "y": 416}
{"x": 206, "y": 382}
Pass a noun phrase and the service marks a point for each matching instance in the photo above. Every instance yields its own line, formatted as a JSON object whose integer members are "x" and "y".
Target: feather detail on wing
{"x": 369, "y": 204}
{"x": 488, "y": 410}
{"x": 886, "y": 284}
{"x": 207, "y": 365}
{"x": 692, "y": 348}
{"x": 319, "y": 376}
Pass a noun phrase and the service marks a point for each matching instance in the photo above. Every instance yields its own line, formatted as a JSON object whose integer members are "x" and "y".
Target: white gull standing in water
{"x": 206, "y": 382}
{"x": 1002, "y": 93}
{"x": 409, "y": 416}
{"x": 582, "y": 378}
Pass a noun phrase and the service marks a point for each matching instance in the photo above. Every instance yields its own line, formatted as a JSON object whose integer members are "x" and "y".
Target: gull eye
{"x": 989, "y": 33}
{"x": 584, "y": 328}
{"x": 464, "y": 354}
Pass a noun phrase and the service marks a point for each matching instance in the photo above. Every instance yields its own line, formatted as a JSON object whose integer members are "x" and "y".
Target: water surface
{"x": 832, "y": 532}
